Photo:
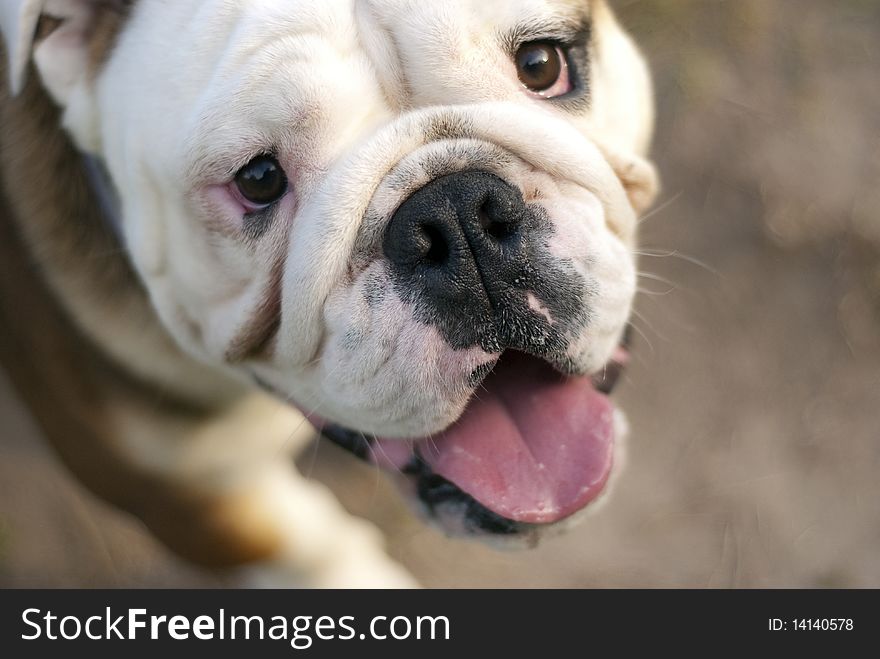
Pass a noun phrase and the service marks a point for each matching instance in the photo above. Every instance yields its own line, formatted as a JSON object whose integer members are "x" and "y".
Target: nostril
{"x": 436, "y": 246}
{"x": 485, "y": 219}
{"x": 500, "y": 231}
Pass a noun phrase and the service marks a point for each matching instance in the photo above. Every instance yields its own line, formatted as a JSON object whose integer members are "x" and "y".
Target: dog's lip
{"x": 444, "y": 458}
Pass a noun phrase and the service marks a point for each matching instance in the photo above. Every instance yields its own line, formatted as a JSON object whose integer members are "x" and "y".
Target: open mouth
{"x": 533, "y": 447}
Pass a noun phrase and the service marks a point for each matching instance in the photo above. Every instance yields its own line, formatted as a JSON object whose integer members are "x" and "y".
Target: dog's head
{"x": 413, "y": 220}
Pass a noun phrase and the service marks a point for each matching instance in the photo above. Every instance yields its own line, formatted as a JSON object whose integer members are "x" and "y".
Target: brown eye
{"x": 541, "y": 67}
{"x": 262, "y": 181}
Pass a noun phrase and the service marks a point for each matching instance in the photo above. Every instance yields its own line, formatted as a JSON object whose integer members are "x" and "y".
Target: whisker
{"x": 659, "y": 253}
{"x": 434, "y": 446}
{"x": 635, "y": 313}
{"x": 675, "y": 286}
{"x": 659, "y": 209}
{"x": 650, "y": 293}
{"x": 313, "y": 459}
{"x": 288, "y": 400}
{"x": 638, "y": 330}
{"x": 657, "y": 278}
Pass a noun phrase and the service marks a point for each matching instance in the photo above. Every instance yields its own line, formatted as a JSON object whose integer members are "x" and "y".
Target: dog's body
{"x": 139, "y": 332}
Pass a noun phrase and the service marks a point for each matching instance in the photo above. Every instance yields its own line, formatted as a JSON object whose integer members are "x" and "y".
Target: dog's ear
{"x": 638, "y": 176}
{"x": 18, "y": 20}
{"x": 66, "y": 40}
{"x": 63, "y": 50}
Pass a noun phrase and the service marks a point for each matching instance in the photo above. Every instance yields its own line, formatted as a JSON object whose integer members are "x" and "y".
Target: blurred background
{"x": 754, "y": 399}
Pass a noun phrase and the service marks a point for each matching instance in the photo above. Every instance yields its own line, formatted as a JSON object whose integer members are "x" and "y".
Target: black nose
{"x": 460, "y": 244}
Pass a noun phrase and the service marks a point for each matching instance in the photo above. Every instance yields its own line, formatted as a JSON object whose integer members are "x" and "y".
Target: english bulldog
{"x": 408, "y": 224}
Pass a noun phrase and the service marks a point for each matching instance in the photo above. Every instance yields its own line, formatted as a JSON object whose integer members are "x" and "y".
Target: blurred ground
{"x": 755, "y": 399}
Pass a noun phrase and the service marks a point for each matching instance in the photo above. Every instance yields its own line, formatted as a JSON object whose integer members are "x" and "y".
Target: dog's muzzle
{"x": 535, "y": 442}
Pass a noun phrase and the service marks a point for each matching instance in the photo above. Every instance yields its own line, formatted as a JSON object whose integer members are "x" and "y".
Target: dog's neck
{"x": 105, "y": 194}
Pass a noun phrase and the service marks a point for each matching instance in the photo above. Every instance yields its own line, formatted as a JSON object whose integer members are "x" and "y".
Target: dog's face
{"x": 413, "y": 220}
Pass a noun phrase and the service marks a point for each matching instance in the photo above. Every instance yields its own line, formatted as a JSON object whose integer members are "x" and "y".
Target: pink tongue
{"x": 533, "y": 447}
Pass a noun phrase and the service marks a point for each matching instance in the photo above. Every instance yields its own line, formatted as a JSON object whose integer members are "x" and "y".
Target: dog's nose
{"x": 460, "y": 244}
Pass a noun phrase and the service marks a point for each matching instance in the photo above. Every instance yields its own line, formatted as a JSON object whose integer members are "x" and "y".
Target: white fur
{"x": 345, "y": 92}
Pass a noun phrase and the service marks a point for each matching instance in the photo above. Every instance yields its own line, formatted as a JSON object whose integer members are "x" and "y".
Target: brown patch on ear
{"x": 109, "y": 20}
{"x": 46, "y": 26}
{"x": 110, "y": 17}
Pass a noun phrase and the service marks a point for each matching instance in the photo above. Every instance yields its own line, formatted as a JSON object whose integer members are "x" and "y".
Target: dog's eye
{"x": 543, "y": 69}
{"x": 262, "y": 181}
